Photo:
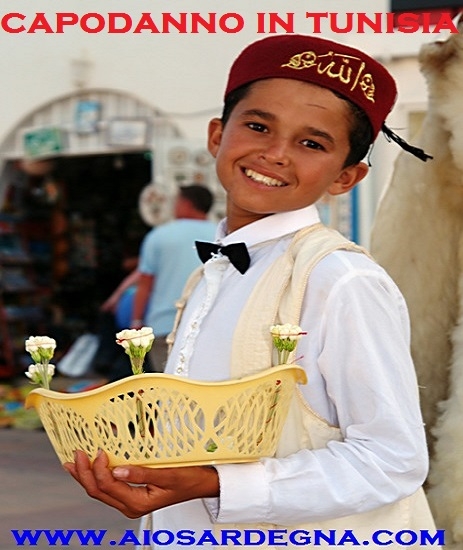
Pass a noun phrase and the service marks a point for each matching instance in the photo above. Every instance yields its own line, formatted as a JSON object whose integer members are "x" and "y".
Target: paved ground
{"x": 36, "y": 493}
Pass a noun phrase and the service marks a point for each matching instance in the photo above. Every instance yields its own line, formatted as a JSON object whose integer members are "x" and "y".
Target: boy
{"x": 300, "y": 115}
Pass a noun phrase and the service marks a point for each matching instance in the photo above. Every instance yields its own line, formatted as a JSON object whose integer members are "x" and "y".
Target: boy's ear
{"x": 214, "y": 136}
{"x": 348, "y": 178}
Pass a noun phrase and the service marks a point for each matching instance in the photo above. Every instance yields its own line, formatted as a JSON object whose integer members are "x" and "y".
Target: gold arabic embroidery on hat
{"x": 335, "y": 65}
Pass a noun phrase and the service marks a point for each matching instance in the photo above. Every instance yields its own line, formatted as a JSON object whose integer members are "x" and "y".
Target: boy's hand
{"x": 154, "y": 488}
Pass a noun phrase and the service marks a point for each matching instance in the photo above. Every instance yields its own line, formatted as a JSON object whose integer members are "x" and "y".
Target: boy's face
{"x": 282, "y": 148}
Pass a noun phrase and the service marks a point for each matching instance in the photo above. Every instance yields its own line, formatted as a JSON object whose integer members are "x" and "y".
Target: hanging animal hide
{"x": 418, "y": 237}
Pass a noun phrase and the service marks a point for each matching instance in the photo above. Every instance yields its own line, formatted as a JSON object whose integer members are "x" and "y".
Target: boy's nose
{"x": 276, "y": 153}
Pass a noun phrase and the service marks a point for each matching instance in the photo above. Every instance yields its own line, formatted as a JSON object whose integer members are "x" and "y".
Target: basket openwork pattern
{"x": 160, "y": 420}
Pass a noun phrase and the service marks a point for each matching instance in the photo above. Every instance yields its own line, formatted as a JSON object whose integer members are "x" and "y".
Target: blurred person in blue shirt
{"x": 167, "y": 258}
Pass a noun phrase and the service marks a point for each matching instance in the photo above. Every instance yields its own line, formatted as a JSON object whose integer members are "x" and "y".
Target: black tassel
{"x": 391, "y": 136}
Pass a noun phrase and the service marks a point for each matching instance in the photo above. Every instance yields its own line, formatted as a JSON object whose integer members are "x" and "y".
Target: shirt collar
{"x": 272, "y": 227}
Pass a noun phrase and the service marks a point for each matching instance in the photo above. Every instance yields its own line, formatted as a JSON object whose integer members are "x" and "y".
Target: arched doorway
{"x": 71, "y": 175}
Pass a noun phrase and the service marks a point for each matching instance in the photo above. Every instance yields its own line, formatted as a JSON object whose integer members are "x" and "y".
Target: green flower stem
{"x": 283, "y": 356}
{"x": 44, "y": 375}
{"x": 137, "y": 357}
{"x": 137, "y": 364}
{"x": 284, "y": 347}
{"x": 271, "y": 411}
{"x": 141, "y": 417}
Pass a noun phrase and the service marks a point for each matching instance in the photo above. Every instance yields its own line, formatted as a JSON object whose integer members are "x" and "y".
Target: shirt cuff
{"x": 243, "y": 498}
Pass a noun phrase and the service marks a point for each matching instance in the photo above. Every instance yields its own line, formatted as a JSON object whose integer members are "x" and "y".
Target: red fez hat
{"x": 338, "y": 67}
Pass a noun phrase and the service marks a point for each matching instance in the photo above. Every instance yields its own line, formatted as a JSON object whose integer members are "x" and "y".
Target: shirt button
{"x": 179, "y": 370}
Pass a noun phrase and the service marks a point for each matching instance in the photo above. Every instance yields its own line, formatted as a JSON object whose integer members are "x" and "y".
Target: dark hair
{"x": 199, "y": 196}
{"x": 361, "y": 132}
{"x": 360, "y": 135}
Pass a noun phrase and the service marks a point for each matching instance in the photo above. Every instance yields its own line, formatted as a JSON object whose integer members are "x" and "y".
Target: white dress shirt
{"x": 360, "y": 378}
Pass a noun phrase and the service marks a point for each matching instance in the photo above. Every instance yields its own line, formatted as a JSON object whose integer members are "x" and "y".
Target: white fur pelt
{"x": 418, "y": 237}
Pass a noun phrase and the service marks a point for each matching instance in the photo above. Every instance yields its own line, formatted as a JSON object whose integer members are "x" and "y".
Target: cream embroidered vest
{"x": 278, "y": 299}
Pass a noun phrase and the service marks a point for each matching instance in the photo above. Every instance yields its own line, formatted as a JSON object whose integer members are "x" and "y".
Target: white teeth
{"x": 271, "y": 182}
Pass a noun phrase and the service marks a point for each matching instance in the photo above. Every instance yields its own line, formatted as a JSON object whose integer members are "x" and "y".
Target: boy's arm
{"x": 356, "y": 354}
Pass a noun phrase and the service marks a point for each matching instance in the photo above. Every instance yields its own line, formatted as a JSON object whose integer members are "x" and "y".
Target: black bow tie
{"x": 237, "y": 253}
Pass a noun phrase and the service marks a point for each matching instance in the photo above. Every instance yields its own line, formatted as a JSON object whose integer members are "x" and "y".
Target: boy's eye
{"x": 312, "y": 144}
{"x": 256, "y": 126}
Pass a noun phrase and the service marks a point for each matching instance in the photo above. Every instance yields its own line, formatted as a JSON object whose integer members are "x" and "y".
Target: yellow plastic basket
{"x": 159, "y": 420}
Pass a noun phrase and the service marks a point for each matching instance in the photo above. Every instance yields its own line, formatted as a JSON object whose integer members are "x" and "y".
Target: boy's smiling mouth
{"x": 266, "y": 180}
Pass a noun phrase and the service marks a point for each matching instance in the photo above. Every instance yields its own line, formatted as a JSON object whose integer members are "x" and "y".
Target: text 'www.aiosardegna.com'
{"x": 228, "y": 537}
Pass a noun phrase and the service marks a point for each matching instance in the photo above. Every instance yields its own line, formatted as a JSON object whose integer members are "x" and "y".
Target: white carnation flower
{"x": 41, "y": 348}
{"x": 285, "y": 338}
{"x": 136, "y": 343}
